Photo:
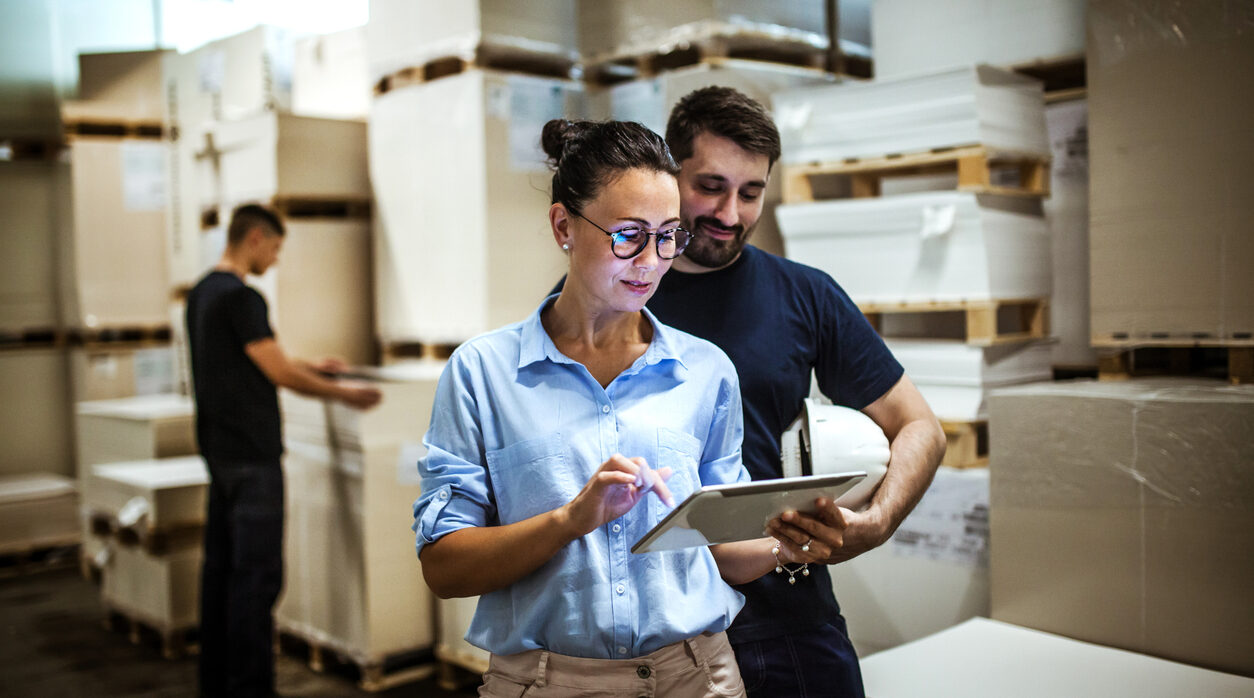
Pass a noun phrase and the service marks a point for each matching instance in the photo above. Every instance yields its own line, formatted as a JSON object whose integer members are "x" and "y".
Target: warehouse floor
{"x": 53, "y": 643}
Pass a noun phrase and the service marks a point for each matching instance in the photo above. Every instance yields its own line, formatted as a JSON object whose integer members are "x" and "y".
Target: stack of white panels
{"x": 464, "y": 245}
{"x": 956, "y": 378}
{"x": 977, "y": 105}
{"x": 407, "y": 33}
{"x": 916, "y": 36}
{"x": 150, "y": 495}
{"x": 353, "y": 582}
{"x": 138, "y": 428}
{"x": 933, "y": 572}
{"x": 924, "y": 246}
{"x": 330, "y": 78}
{"x": 989, "y": 659}
{"x": 39, "y": 510}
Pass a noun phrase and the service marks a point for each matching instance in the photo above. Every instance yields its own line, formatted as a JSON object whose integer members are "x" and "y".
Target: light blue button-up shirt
{"x": 518, "y": 428}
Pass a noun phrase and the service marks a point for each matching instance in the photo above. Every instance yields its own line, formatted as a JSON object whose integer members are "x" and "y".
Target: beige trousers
{"x": 699, "y": 666}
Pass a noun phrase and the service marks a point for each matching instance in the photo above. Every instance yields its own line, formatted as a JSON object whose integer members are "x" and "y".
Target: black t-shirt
{"x": 778, "y": 320}
{"x": 237, "y": 407}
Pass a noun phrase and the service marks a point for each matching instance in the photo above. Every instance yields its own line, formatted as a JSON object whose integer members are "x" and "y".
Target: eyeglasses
{"x": 630, "y": 241}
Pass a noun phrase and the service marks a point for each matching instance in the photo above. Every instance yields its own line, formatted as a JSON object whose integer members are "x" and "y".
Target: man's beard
{"x": 715, "y": 254}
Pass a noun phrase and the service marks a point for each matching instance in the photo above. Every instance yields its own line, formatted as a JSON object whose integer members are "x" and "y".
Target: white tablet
{"x": 726, "y": 513}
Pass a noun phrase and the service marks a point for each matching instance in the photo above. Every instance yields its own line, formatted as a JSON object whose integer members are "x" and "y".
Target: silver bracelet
{"x": 804, "y": 568}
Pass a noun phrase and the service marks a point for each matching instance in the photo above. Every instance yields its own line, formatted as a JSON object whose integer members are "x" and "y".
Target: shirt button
{"x": 616, "y": 528}
{"x": 443, "y": 494}
{"x": 622, "y": 650}
{"x": 644, "y": 672}
{"x": 620, "y": 589}
{"x": 605, "y": 409}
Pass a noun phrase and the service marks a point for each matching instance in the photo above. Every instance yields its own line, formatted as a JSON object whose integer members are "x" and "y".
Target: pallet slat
{"x": 975, "y": 166}
{"x": 983, "y": 326}
{"x": 374, "y": 675}
{"x": 487, "y": 56}
{"x": 966, "y": 444}
{"x": 1212, "y": 360}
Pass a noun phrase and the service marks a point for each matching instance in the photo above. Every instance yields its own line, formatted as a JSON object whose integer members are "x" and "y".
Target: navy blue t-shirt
{"x": 237, "y": 407}
{"x": 777, "y": 320}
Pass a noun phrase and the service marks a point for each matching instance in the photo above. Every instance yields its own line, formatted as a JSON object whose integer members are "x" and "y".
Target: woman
{"x": 548, "y": 436}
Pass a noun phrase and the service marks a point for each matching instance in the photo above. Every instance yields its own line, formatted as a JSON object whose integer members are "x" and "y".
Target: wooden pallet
{"x": 175, "y": 642}
{"x": 1062, "y": 78}
{"x": 416, "y": 350}
{"x": 988, "y": 322}
{"x": 458, "y": 670}
{"x": 21, "y": 559}
{"x": 372, "y": 675}
{"x": 724, "y": 43}
{"x": 109, "y": 337}
{"x": 966, "y": 444}
{"x": 30, "y": 149}
{"x": 112, "y": 129}
{"x": 154, "y": 540}
{"x": 301, "y": 207}
{"x": 486, "y": 56}
{"x": 31, "y": 338}
{"x": 1230, "y": 359}
{"x": 978, "y": 169}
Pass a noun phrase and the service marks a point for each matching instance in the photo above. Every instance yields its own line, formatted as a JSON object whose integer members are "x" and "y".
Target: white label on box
{"x": 640, "y": 101}
{"x": 951, "y": 521}
{"x": 407, "y": 463}
{"x": 154, "y": 371}
{"x": 143, "y": 176}
{"x": 532, "y": 103}
{"x": 1068, "y": 125}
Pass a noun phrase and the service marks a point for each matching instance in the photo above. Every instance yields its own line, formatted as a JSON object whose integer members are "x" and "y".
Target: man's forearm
{"x": 916, "y": 453}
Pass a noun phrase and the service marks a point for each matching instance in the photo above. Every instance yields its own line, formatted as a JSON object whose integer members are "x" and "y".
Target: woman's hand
{"x": 617, "y": 486}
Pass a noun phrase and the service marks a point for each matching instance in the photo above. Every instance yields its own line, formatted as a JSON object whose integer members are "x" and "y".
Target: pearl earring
{"x": 565, "y": 245}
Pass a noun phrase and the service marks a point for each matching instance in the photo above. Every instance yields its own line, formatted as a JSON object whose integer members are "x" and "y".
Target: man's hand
{"x": 360, "y": 396}
{"x": 836, "y": 534}
{"x": 329, "y": 366}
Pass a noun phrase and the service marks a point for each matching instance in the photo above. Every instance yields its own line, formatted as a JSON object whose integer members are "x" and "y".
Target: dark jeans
{"x": 241, "y": 579}
{"x": 816, "y": 662}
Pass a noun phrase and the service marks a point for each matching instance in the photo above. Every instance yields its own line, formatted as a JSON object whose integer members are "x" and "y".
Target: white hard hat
{"x": 830, "y": 439}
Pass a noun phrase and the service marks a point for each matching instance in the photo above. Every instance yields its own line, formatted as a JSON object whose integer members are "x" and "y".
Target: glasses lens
{"x": 628, "y": 242}
{"x": 670, "y": 243}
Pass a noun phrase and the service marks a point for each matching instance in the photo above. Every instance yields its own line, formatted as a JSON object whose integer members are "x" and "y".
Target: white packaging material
{"x": 932, "y": 574}
{"x": 407, "y": 33}
{"x": 927, "y": 246}
{"x": 955, "y": 378}
{"x": 989, "y": 659}
{"x": 173, "y": 491}
{"x": 453, "y": 617}
{"x": 28, "y": 272}
{"x": 330, "y": 78}
{"x": 1067, "y": 214}
{"x": 37, "y": 510}
{"x": 463, "y": 246}
{"x": 916, "y": 36}
{"x": 131, "y": 429}
{"x": 230, "y": 78}
{"x": 35, "y": 415}
{"x": 975, "y": 105}
{"x": 649, "y": 101}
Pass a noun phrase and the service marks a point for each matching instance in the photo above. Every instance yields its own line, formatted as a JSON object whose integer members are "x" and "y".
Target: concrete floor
{"x": 53, "y": 643}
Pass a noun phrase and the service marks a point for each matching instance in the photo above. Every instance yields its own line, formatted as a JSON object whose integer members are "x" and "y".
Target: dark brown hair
{"x": 245, "y": 218}
{"x": 725, "y": 112}
{"x": 585, "y": 155}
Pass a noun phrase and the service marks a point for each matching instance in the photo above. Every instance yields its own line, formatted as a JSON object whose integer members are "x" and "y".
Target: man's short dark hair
{"x": 726, "y": 112}
{"x": 245, "y": 218}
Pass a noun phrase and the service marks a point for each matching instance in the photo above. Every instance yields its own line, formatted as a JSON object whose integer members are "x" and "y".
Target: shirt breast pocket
{"x": 531, "y": 477}
{"x": 682, "y": 454}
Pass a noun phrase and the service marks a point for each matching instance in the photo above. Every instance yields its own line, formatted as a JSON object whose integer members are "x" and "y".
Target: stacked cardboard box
{"x": 490, "y": 239}
{"x": 1121, "y": 514}
{"x": 31, "y": 195}
{"x": 37, "y": 511}
{"x": 352, "y": 479}
{"x": 138, "y": 428}
{"x": 330, "y": 76}
{"x": 35, "y": 416}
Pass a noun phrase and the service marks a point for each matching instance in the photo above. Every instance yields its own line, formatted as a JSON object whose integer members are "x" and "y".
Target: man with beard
{"x": 779, "y": 321}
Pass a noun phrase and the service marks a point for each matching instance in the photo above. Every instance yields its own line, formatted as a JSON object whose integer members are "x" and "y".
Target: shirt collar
{"x": 536, "y": 345}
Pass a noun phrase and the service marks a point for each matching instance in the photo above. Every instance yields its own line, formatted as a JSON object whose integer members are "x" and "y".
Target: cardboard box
{"x": 988, "y": 659}
{"x": 114, "y": 269}
{"x": 926, "y": 246}
{"x": 629, "y": 27}
{"x": 150, "y": 495}
{"x": 331, "y": 77}
{"x": 352, "y": 479}
{"x": 478, "y": 222}
{"x": 132, "y": 429}
{"x": 974, "y": 105}
{"x": 162, "y": 591}
{"x": 453, "y": 617}
{"x": 30, "y": 197}
{"x": 1067, "y": 214}
{"x": 932, "y": 574}
{"x": 408, "y": 33}
{"x": 919, "y": 36}
{"x": 1170, "y": 244}
{"x": 118, "y": 87}
{"x": 230, "y": 78}
{"x": 1121, "y": 514}
{"x": 37, "y": 510}
{"x": 102, "y": 373}
{"x": 956, "y": 378}
{"x": 275, "y": 155}
{"x": 649, "y": 101}
{"x": 35, "y": 414}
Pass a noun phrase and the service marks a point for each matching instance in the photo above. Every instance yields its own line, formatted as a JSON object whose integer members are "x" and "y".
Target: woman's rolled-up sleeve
{"x": 455, "y": 492}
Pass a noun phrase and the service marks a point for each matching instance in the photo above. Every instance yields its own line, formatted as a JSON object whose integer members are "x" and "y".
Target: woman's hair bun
{"x": 558, "y": 134}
